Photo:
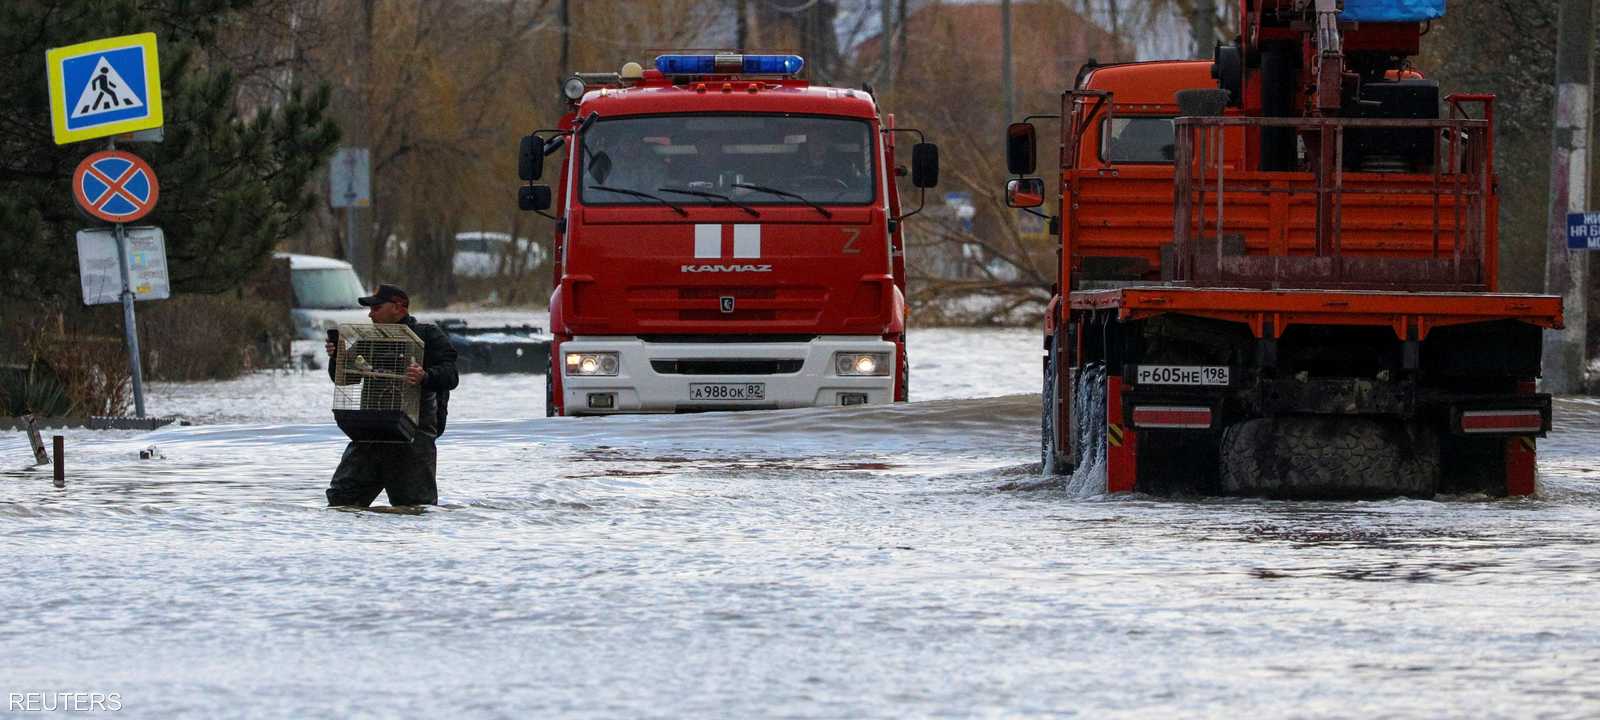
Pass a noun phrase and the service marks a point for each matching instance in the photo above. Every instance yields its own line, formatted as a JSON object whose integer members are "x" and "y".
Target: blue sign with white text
{"x": 1583, "y": 231}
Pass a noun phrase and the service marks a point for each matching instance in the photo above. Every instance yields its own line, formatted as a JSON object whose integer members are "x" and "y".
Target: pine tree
{"x": 234, "y": 181}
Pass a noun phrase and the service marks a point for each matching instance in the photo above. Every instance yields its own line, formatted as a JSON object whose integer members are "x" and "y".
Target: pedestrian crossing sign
{"x": 104, "y": 87}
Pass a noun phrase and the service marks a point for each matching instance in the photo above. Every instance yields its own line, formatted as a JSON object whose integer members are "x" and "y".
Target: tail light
{"x": 1172, "y": 416}
{"x": 1502, "y": 422}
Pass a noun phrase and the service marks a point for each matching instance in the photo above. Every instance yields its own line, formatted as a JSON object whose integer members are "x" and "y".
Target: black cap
{"x": 386, "y": 293}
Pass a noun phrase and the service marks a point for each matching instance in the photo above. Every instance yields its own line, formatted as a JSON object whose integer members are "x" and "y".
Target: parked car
{"x": 325, "y": 294}
{"x": 486, "y": 254}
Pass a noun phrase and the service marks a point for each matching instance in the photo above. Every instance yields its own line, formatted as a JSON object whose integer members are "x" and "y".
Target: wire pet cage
{"x": 371, "y": 400}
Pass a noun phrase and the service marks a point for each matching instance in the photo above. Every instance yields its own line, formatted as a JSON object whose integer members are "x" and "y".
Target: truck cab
{"x": 727, "y": 238}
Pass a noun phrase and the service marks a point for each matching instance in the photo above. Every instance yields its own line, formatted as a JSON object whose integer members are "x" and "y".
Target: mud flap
{"x": 1122, "y": 456}
{"x": 1521, "y": 465}
{"x": 552, "y": 388}
{"x": 902, "y": 374}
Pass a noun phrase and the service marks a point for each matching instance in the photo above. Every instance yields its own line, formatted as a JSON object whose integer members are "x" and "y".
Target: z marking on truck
{"x": 851, "y": 236}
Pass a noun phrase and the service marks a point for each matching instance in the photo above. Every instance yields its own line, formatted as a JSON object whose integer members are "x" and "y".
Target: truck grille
{"x": 665, "y": 305}
{"x": 727, "y": 367}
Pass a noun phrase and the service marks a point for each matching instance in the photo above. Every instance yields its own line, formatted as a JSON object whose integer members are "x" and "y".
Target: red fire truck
{"x": 1279, "y": 270}
{"x": 727, "y": 238}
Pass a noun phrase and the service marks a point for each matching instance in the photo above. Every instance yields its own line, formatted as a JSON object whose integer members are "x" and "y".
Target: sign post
{"x": 350, "y": 178}
{"x": 119, "y": 188}
{"x": 104, "y": 88}
{"x": 128, "y": 323}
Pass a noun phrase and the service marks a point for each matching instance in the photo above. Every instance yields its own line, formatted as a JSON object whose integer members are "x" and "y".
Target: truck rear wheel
{"x": 1089, "y": 416}
{"x": 1051, "y": 462}
{"x": 1314, "y": 456}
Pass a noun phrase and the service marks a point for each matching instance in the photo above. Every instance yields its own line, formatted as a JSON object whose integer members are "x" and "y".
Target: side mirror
{"x": 533, "y": 198}
{"x": 925, "y": 165}
{"x": 530, "y": 158}
{"x": 1021, "y": 148}
{"x": 1025, "y": 192}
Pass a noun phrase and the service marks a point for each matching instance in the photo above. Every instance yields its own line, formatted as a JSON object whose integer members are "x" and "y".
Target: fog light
{"x": 861, "y": 364}
{"x": 601, "y": 363}
{"x": 602, "y": 401}
{"x": 852, "y": 398}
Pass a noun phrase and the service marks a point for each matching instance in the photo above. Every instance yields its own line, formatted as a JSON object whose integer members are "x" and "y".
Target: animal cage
{"x": 371, "y": 400}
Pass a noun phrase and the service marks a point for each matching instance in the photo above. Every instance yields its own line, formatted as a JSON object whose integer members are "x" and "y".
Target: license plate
{"x": 728, "y": 391}
{"x": 1182, "y": 375}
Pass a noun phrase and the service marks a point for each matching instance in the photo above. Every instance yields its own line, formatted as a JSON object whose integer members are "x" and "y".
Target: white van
{"x": 325, "y": 294}
{"x": 487, "y": 254}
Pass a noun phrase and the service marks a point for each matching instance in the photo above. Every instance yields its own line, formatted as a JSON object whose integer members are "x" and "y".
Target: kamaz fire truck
{"x": 727, "y": 238}
{"x": 1279, "y": 270}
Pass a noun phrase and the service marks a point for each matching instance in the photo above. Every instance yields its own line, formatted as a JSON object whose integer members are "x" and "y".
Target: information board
{"x": 147, "y": 265}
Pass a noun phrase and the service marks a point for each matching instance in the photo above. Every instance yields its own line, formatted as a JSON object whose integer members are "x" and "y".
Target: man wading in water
{"x": 407, "y": 472}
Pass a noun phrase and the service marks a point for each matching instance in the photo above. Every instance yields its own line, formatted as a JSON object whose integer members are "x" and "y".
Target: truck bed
{"x": 1331, "y": 307}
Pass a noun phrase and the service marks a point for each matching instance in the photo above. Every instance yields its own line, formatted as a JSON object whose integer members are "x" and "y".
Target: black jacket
{"x": 439, "y": 366}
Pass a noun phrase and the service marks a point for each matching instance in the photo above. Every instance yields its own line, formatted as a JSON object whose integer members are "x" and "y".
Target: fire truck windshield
{"x": 752, "y": 159}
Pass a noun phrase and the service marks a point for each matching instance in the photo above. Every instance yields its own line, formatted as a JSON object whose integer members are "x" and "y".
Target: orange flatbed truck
{"x": 1279, "y": 271}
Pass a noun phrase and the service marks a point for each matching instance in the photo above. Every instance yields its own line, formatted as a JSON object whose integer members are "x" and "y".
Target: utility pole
{"x": 1564, "y": 270}
{"x": 885, "y": 45}
{"x": 360, "y": 252}
{"x": 566, "y": 40}
{"x": 741, "y": 25}
{"x": 1005, "y": 60}
{"x": 1203, "y": 28}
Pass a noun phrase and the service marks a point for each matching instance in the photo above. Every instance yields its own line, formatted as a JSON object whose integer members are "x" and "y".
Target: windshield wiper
{"x": 785, "y": 193}
{"x": 636, "y": 193}
{"x": 724, "y": 198}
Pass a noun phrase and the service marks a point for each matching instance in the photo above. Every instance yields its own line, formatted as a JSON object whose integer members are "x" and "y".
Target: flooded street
{"x": 886, "y": 561}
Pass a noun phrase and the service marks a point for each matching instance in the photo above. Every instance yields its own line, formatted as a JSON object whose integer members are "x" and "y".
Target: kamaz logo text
{"x": 724, "y": 268}
{"x": 709, "y": 244}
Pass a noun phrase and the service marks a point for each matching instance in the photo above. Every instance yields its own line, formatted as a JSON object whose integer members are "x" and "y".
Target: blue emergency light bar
{"x": 730, "y": 64}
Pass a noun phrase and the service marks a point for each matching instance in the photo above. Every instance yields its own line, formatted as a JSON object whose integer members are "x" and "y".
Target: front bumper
{"x": 639, "y": 387}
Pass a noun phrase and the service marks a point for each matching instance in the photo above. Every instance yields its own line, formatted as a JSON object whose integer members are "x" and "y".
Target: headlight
{"x": 860, "y": 364}
{"x": 600, "y": 363}
{"x": 573, "y": 88}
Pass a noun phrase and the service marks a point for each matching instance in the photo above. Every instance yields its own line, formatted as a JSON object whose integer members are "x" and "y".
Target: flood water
{"x": 890, "y": 561}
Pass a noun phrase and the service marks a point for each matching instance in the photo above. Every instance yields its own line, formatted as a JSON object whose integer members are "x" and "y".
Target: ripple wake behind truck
{"x": 727, "y": 237}
{"x": 1279, "y": 270}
